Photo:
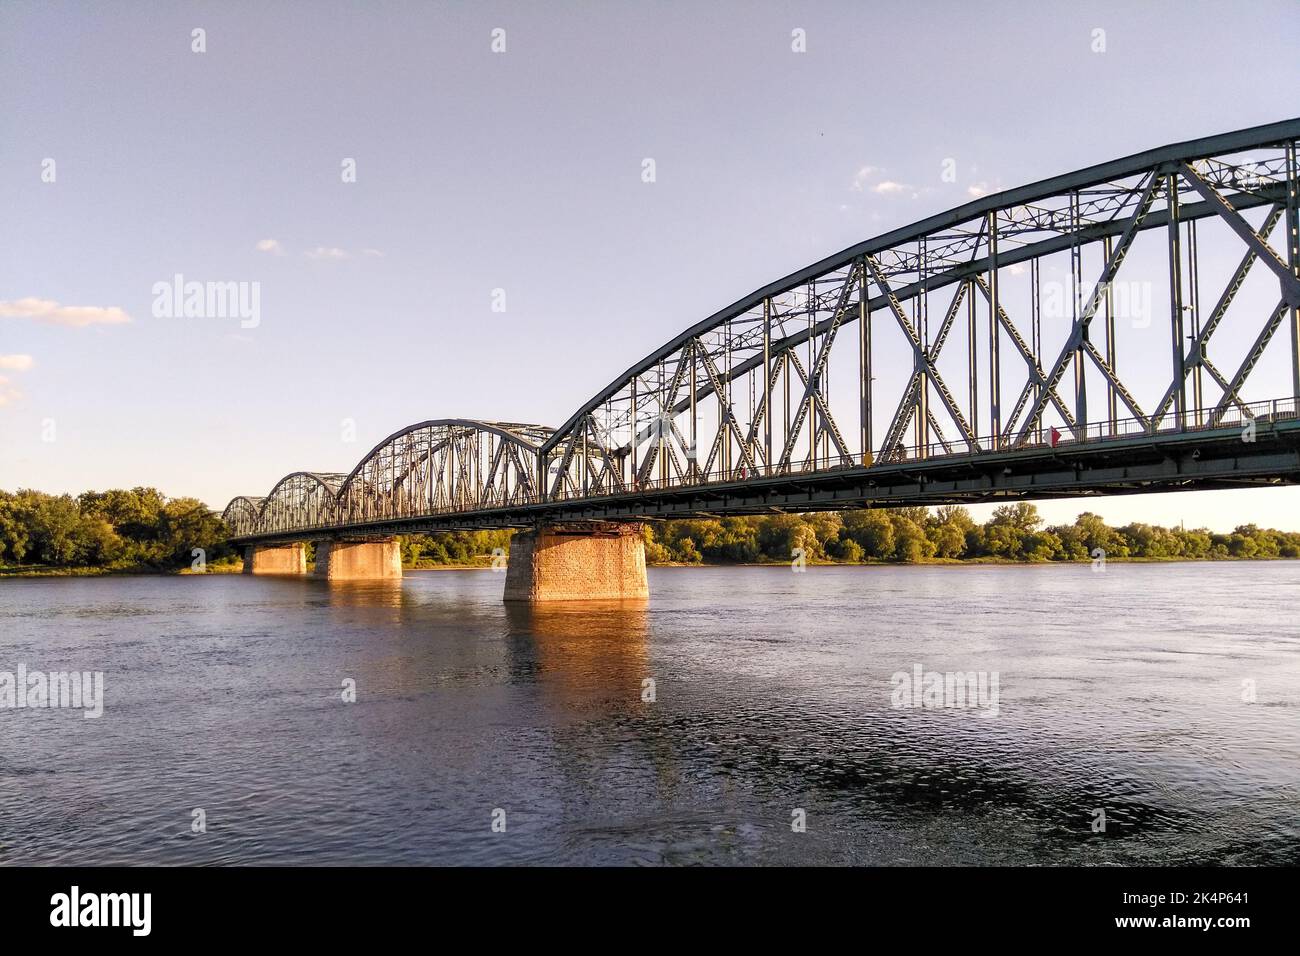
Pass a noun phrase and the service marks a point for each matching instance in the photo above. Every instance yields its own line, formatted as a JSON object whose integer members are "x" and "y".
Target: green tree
{"x": 873, "y": 532}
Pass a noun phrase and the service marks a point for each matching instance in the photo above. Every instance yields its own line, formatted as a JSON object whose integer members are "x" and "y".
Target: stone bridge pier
{"x": 336, "y": 560}
{"x": 371, "y": 560}
{"x": 275, "y": 558}
{"x": 577, "y": 561}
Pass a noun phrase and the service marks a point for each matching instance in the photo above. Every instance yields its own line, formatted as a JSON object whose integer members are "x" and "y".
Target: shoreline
{"x": 48, "y": 572}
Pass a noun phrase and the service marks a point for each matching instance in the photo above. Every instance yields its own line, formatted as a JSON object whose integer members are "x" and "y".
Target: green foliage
{"x": 913, "y": 535}
{"x": 453, "y": 548}
{"x": 116, "y": 530}
{"x": 141, "y": 528}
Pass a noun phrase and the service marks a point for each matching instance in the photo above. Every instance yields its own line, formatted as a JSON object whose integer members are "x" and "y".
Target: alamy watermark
{"x": 967, "y": 690}
{"x": 1128, "y": 301}
{"x": 179, "y": 299}
{"x": 66, "y": 690}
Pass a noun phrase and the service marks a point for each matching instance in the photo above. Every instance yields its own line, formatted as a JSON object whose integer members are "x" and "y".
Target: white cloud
{"x": 7, "y": 392}
{"x": 889, "y": 188}
{"x": 326, "y": 252}
{"x": 976, "y": 190}
{"x": 862, "y": 175}
{"x": 375, "y": 253}
{"x": 77, "y": 316}
{"x": 16, "y": 363}
{"x": 271, "y": 246}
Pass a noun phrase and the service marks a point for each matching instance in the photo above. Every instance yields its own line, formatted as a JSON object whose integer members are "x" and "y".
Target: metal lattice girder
{"x": 443, "y": 465}
{"x": 303, "y": 499}
{"x": 749, "y": 392}
{"x": 241, "y": 515}
{"x": 435, "y": 466}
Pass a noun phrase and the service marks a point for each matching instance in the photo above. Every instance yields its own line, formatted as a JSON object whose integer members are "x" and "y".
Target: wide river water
{"x": 1165, "y": 695}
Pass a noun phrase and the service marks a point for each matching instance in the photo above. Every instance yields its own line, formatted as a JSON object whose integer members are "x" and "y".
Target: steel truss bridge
{"x": 1129, "y": 327}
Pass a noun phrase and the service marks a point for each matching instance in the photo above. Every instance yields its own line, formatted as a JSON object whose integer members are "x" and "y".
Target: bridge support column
{"x": 275, "y": 558}
{"x": 577, "y": 561}
{"x": 359, "y": 560}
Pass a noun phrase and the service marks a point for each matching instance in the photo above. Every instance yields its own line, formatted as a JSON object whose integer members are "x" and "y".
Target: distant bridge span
{"x": 1129, "y": 327}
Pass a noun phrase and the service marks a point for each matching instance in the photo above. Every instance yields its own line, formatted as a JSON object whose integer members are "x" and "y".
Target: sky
{"x": 387, "y": 178}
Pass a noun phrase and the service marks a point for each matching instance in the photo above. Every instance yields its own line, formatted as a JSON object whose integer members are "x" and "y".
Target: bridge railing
{"x": 1232, "y": 416}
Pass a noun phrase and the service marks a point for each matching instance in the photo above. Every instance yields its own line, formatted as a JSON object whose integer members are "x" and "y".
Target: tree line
{"x": 1015, "y": 532}
{"x": 142, "y": 529}
{"x": 120, "y": 529}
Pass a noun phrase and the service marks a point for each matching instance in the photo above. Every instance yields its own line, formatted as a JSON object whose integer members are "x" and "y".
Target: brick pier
{"x": 275, "y": 559}
{"x": 577, "y": 561}
{"x": 359, "y": 560}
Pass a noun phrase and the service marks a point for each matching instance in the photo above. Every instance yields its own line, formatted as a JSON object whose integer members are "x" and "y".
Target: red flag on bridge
{"x": 1056, "y": 436}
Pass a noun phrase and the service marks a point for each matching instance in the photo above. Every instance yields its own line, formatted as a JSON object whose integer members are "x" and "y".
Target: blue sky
{"x": 519, "y": 171}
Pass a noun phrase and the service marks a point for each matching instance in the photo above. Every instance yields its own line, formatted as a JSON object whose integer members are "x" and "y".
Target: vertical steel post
{"x": 923, "y": 332}
{"x": 972, "y": 358}
{"x": 724, "y": 406}
{"x": 1112, "y": 403}
{"x": 786, "y": 372}
{"x": 692, "y": 456}
{"x": 813, "y": 379}
{"x": 1176, "y": 301}
{"x": 1293, "y": 256}
{"x": 1076, "y": 295}
{"x": 864, "y": 367}
{"x": 767, "y": 385}
{"x": 995, "y": 365}
{"x": 1036, "y": 330}
{"x": 1194, "y": 291}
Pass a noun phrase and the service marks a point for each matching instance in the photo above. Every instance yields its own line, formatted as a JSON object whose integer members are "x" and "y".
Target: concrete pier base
{"x": 275, "y": 558}
{"x": 359, "y": 560}
{"x": 577, "y": 561}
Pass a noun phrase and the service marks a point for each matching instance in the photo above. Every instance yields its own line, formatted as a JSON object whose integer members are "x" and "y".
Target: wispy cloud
{"x": 889, "y": 188}
{"x": 270, "y": 246}
{"x": 53, "y": 313}
{"x": 984, "y": 188}
{"x": 16, "y": 363}
{"x": 327, "y": 252}
{"x": 373, "y": 253}
{"x": 7, "y": 392}
{"x": 863, "y": 174}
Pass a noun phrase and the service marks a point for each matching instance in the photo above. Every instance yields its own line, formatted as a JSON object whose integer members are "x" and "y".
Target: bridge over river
{"x": 1129, "y": 327}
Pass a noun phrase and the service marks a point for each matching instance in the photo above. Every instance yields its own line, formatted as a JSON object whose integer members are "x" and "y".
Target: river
{"x": 1146, "y": 714}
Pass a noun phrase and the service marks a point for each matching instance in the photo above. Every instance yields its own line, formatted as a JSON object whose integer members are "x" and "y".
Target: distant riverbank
{"x": 236, "y": 567}
{"x": 142, "y": 531}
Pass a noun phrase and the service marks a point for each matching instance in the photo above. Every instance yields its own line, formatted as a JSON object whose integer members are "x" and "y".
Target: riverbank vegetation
{"x": 141, "y": 529}
{"x": 1015, "y": 532}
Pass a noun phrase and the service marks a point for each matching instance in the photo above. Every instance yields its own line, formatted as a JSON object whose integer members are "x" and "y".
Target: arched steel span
{"x": 436, "y": 466}
{"x": 445, "y": 465}
{"x": 241, "y": 515}
{"x": 303, "y": 499}
{"x": 746, "y": 391}
{"x": 1025, "y": 330}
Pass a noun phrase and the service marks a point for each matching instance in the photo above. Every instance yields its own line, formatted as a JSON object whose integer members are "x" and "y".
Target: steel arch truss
{"x": 304, "y": 499}
{"x": 443, "y": 466}
{"x": 448, "y": 465}
{"x": 1150, "y": 295}
{"x": 241, "y": 516}
{"x": 994, "y": 325}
